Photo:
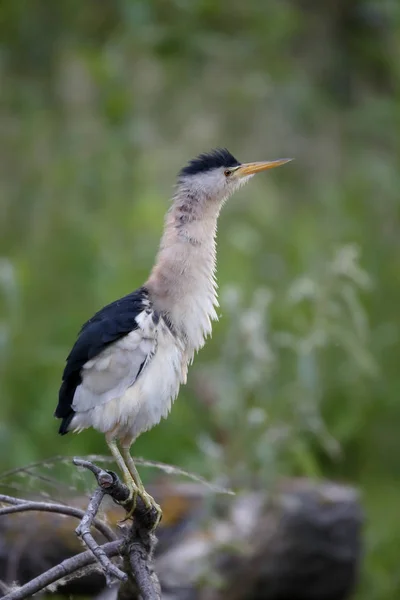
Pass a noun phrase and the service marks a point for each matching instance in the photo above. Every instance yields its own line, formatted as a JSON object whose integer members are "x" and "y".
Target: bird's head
{"x": 214, "y": 176}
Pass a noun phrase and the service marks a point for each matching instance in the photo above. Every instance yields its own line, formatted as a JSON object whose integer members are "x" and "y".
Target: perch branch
{"x": 106, "y": 480}
{"x": 140, "y": 561}
{"x": 83, "y": 531}
{"x": 139, "y": 539}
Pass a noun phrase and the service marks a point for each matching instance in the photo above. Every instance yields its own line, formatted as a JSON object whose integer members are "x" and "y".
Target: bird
{"x": 130, "y": 359}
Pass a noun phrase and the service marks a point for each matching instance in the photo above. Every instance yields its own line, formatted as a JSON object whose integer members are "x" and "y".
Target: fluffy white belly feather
{"x": 149, "y": 399}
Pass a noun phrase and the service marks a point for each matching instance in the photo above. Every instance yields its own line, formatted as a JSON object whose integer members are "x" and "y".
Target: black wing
{"x": 111, "y": 323}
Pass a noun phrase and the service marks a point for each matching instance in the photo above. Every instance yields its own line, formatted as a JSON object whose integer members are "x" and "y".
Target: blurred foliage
{"x": 101, "y": 104}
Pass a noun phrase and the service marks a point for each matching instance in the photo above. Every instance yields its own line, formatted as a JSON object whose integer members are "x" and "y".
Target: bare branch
{"x": 11, "y": 499}
{"x": 139, "y": 539}
{"x": 21, "y": 505}
{"x": 139, "y": 551}
{"x": 107, "y": 481}
{"x": 143, "y": 572}
{"x": 68, "y": 566}
{"x": 83, "y": 531}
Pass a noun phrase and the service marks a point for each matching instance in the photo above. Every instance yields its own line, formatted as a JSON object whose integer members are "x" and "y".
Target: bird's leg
{"x": 128, "y": 479}
{"x": 148, "y": 500}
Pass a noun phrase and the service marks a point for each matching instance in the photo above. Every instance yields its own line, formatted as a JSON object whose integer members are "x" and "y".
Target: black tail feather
{"x": 65, "y": 423}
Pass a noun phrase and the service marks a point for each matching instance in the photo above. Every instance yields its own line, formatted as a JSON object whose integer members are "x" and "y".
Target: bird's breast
{"x": 150, "y": 398}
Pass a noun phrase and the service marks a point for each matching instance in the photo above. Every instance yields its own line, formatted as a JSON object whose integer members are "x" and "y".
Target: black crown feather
{"x": 221, "y": 157}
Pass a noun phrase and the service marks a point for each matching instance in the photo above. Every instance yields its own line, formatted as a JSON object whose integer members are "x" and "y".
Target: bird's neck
{"x": 182, "y": 283}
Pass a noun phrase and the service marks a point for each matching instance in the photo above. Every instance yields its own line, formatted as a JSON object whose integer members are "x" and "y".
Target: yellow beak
{"x": 256, "y": 167}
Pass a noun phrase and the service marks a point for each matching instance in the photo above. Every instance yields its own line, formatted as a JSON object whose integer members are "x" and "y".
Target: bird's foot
{"x": 151, "y": 505}
{"x": 131, "y": 500}
{"x": 131, "y": 503}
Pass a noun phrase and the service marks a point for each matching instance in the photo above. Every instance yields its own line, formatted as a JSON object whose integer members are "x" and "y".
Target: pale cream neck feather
{"x": 182, "y": 283}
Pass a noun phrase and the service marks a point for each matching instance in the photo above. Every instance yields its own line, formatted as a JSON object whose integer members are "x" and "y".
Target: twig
{"x": 173, "y": 470}
{"x": 11, "y": 499}
{"x": 167, "y": 468}
{"x": 21, "y": 505}
{"x": 83, "y": 531}
{"x": 67, "y": 567}
{"x": 139, "y": 539}
{"x": 107, "y": 480}
{"x": 27, "y": 468}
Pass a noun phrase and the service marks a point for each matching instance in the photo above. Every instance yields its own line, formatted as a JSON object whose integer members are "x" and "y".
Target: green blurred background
{"x": 101, "y": 104}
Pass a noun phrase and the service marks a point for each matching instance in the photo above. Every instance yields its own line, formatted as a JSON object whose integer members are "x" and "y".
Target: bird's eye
{"x": 227, "y": 172}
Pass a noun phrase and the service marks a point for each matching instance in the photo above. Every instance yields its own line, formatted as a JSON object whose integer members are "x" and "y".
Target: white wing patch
{"x": 116, "y": 368}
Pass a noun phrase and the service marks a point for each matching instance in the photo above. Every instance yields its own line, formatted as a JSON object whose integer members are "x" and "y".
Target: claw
{"x": 148, "y": 501}
{"x": 150, "y": 504}
{"x": 132, "y": 498}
